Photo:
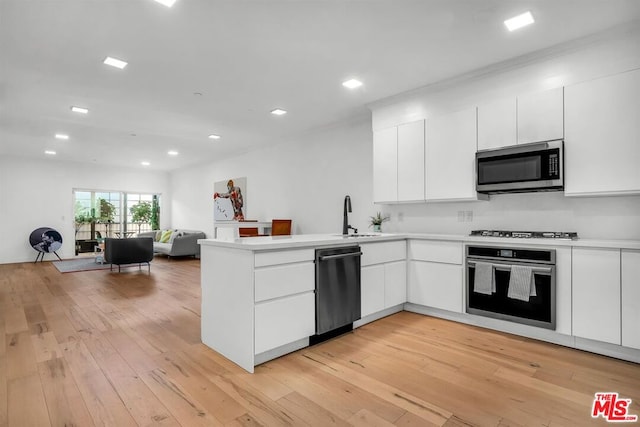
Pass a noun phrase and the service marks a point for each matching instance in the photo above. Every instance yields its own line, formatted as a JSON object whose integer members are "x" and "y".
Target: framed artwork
{"x": 229, "y": 199}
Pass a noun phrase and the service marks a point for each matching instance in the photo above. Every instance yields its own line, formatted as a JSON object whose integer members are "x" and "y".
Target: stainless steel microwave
{"x": 521, "y": 168}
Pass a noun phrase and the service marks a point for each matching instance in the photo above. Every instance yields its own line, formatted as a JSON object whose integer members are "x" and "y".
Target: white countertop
{"x": 319, "y": 240}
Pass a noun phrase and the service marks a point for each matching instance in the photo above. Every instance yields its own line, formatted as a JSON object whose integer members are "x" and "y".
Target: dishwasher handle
{"x": 349, "y": 254}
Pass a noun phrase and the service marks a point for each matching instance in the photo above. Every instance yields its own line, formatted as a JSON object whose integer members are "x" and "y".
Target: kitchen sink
{"x": 357, "y": 235}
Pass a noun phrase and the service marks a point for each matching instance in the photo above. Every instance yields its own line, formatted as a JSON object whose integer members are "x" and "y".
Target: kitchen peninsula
{"x": 258, "y": 294}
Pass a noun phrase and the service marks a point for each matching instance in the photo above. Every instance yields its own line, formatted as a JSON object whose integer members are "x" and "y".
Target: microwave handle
{"x": 506, "y": 267}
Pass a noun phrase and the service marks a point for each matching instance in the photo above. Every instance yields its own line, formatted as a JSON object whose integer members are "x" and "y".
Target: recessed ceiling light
{"x": 352, "y": 84}
{"x": 79, "y": 110}
{"x": 172, "y": 153}
{"x": 519, "y": 21}
{"x": 278, "y": 112}
{"x": 167, "y": 3}
{"x": 214, "y": 136}
{"x": 61, "y": 136}
{"x": 114, "y": 62}
{"x": 50, "y": 153}
{"x": 145, "y": 163}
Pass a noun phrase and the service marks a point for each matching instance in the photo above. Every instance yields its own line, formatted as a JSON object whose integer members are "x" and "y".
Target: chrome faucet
{"x": 345, "y": 222}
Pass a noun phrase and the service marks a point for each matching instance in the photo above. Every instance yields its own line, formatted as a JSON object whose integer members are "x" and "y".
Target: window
{"x": 100, "y": 214}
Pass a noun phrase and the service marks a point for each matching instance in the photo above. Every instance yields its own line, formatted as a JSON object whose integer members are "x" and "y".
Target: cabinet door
{"x": 372, "y": 289}
{"x": 540, "y": 116}
{"x": 596, "y": 294}
{"x": 283, "y": 321}
{"x": 436, "y": 285}
{"x": 497, "y": 124}
{"x": 385, "y": 165}
{"x": 450, "y": 149}
{"x": 602, "y": 152}
{"x": 395, "y": 283}
{"x": 411, "y": 161}
{"x": 631, "y": 299}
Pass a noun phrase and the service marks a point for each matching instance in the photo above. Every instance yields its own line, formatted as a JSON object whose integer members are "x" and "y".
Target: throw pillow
{"x": 175, "y": 234}
{"x": 157, "y": 236}
{"x": 166, "y": 235}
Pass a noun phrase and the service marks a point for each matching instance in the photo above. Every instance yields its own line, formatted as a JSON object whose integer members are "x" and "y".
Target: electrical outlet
{"x": 400, "y": 216}
{"x": 461, "y": 216}
{"x": 468, "y": 216}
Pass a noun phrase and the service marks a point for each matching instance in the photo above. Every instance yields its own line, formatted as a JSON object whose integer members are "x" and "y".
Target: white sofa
{"x": 181, "y": 243}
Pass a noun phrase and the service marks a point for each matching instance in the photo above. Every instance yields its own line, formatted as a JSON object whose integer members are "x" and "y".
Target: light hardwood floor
{"x": 102, "y": 348}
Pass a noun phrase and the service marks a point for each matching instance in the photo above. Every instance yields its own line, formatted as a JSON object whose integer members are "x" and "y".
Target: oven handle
{"x": 506, "y": 267}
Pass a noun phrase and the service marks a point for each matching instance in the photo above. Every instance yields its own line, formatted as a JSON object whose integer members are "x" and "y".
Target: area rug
{"x": 80, "y": 264}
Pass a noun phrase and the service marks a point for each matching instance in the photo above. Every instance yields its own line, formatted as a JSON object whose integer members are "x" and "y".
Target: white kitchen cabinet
{"x": 385, "y": 165}
{"x": 497, "y": 124}
{"x": 435, "y": 274}
{"x": 631, "y": 299}
{"x": 372, "y": 281}
{"x": 540, "y": 116}
{"x": 398, "y": 163}
{"x": 273, "y": 321}
{"x": 451, "y": 143}
{"x": 411, "y": 162}
{"x": 602, "y": 131}
{"x": 284, "y": 289}
{"x": 383, "y": 276}
{"x": 395, "y": 283}
{"x": 596, "y": 294}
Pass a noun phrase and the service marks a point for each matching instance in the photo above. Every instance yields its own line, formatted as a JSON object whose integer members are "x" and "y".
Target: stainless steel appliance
{"x": 337, "y": 288}
{"x": 521, "y": 168}
{"x": 537, "y": 310}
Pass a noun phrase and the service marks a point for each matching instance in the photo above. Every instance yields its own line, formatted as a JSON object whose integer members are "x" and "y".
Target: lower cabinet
{"x": 435, "y": 274}
{"x": 436, "y": 285}
{"x": 284, "y": 289}
{"x": 631, "y": 299}
{"x": 273, "y": 321}
{"x": 383, "y": 276}
{"x": 596, "y": 311}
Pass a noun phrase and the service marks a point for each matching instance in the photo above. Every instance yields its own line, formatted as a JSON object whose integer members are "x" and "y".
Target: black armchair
{"x": 135, "y": 250}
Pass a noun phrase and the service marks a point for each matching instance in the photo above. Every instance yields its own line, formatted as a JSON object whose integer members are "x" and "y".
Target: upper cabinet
{"x": 385, "y": 165}
{"x": 451, "y": 145}
{"x": 497, "y": 124}
{"x": 602, "y": 134}
{"x": 540, "y": 116}
{"x": 534, "y": 117}
{"x": 411, "y": 161}
{"x": 398, "y": 163}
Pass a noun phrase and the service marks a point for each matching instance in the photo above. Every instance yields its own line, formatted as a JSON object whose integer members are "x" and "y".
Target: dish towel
{"x": 521, "y": 283}
{"x": 484, "y": 280}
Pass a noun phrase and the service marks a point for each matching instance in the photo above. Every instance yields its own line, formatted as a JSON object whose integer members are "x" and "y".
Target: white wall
{"x": 39, "y": 193}
{"x": 305, "y": 181}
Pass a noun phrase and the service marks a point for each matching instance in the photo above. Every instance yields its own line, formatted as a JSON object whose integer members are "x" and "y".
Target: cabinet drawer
{"x": 283, "y": 321}
{"x": 436, "y": 251}
{"x": 283, "y": 280}
{"x": 376, "y": 253}
{"x": 284, "y": 257}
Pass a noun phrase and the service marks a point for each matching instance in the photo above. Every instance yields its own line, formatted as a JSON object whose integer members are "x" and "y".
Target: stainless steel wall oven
{"x": 515, "y": 284}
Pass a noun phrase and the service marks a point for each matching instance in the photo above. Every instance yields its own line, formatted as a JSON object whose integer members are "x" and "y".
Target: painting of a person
{"x": 235, "y": 195}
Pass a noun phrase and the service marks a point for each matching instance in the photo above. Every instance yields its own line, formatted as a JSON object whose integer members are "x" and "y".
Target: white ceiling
{"x": 245, "y": 58}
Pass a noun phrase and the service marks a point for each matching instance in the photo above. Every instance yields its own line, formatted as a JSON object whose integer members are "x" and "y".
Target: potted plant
{"x": 377, "y": 220}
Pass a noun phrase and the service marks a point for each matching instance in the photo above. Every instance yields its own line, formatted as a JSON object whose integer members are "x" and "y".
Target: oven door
{"x": 538, "y": 311}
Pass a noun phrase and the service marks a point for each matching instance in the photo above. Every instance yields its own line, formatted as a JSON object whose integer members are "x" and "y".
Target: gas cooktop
{"x": 527, "y": 234}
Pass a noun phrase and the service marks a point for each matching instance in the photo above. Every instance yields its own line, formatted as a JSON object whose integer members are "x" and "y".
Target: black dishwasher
{"x": 337, "y": 288}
